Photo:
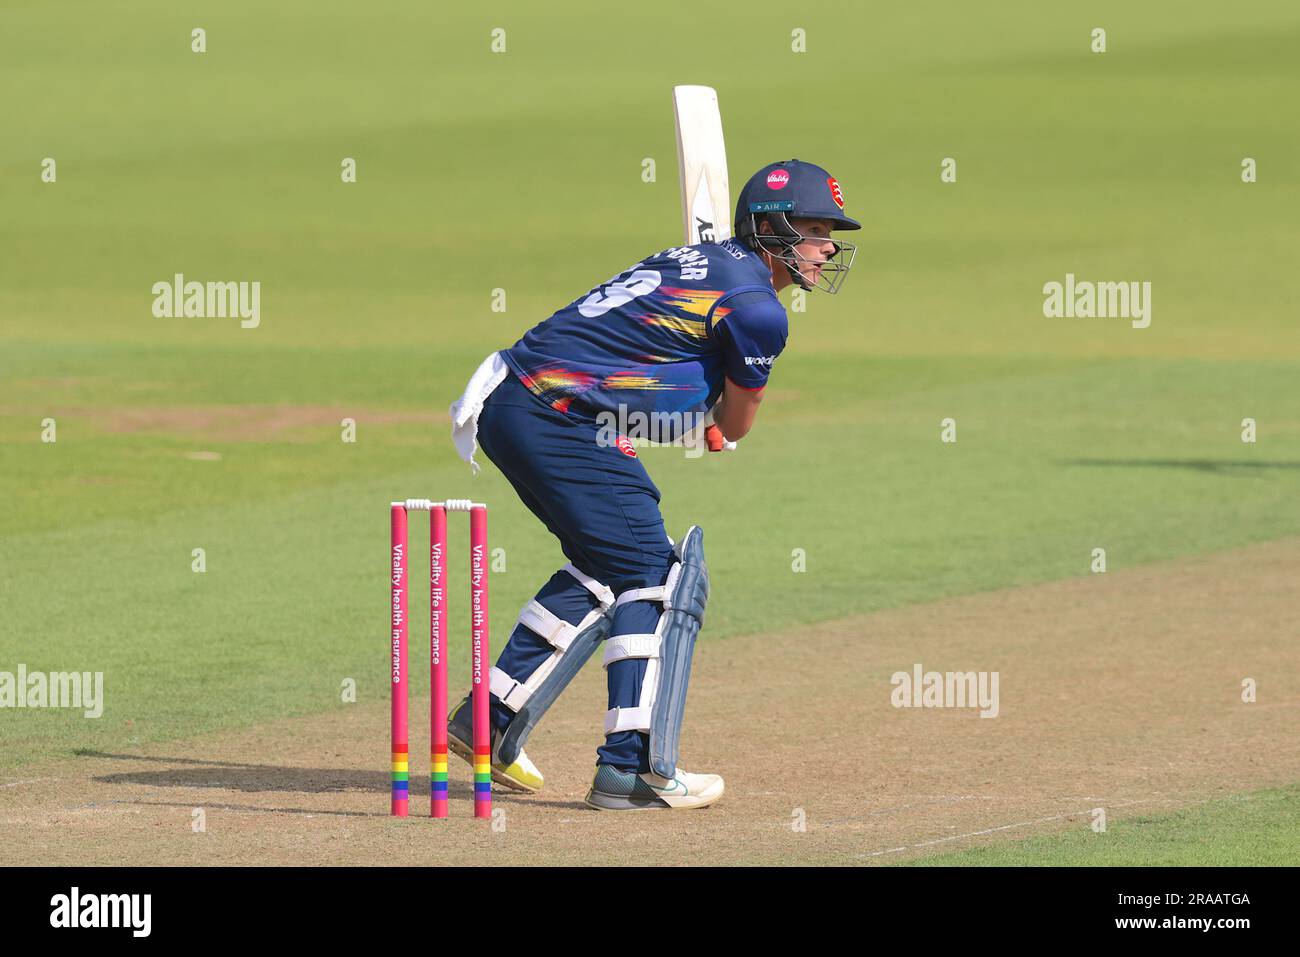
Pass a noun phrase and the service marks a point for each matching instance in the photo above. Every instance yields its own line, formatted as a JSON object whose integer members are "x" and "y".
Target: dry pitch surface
{"x": 1119, "y": 691}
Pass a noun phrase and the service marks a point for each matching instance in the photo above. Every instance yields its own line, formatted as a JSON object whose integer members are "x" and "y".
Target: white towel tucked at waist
{"x": 465, "y": 410}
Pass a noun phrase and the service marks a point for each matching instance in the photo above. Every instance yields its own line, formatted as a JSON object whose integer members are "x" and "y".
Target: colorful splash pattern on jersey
{"x": 654, "y": 351}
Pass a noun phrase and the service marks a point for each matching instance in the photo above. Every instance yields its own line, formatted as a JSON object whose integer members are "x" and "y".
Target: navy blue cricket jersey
{"x": 660, "y": 336}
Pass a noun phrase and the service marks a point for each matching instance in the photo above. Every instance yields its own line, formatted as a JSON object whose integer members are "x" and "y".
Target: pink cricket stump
{"x": 399, "y": 570}
{"x": 437, "y": 662}
{"x": 397, "y": 661}
{"x": 478, "y": 571}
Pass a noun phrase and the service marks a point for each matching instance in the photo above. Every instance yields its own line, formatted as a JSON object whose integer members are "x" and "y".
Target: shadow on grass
{"x": 1215, "y": 466}
{"x": 263, "y": 778}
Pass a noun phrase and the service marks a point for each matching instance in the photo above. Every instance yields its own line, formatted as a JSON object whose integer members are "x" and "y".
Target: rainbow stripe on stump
{"x": 438, "y": 784}
{"x": 482, "y": 782}
{"x": 401, "y": 782}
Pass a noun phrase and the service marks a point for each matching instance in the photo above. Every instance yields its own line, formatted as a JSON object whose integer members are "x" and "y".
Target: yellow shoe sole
{"x": 500, "y": 775}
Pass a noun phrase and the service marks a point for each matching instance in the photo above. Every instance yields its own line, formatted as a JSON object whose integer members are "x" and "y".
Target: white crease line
{"x": 953, "y": 798}
{"x": 15, "y": 784}
{"x": 993, "y": 830}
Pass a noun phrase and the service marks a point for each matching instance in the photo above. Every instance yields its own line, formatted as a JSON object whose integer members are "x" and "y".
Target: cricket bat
{"x": 706, "y": 197}
{"x": 702, "y": 165}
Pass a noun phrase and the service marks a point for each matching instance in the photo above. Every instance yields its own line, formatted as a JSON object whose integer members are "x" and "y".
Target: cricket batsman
{"x": 688, "y": 335}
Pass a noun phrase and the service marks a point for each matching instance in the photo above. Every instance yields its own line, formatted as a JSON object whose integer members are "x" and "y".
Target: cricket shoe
{"x": 615, "y": 790}
{"x": 522, "y": 775}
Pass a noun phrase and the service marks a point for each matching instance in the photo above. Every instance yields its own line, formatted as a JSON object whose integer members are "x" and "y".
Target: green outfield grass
{"x": 1259, "y": 829}
{"x": 522, "y": 171}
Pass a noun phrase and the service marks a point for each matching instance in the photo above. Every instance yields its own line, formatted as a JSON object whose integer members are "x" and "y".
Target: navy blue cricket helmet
{"x": 789, "y": 190}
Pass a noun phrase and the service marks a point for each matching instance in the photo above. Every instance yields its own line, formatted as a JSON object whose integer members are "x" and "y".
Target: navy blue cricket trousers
{"x": 603, "y": 508}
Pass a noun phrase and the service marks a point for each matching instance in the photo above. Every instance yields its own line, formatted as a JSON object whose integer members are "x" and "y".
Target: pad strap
{"x": 555, "y": 630}
{"x": 627, "y": 719}
{"x": 602, "y": 592}
{"x": 511, "y": 693}
{"x": 655, "y": 593}
{"x": 631, "y": 646}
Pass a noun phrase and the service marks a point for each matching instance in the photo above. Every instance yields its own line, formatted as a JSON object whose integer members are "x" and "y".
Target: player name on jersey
{"x": 695, "y": 265}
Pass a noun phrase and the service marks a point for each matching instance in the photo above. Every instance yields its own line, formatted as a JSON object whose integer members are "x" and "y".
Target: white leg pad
{"x": 670, "y": 585}
{"x": 556, "y": 632}
{"x": 620, "y": 647}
